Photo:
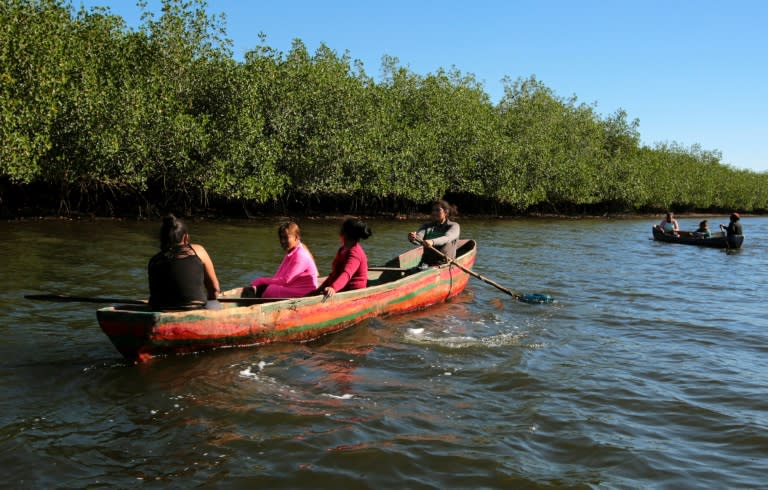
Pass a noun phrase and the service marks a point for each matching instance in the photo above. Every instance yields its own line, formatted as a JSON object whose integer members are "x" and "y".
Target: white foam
{"x": 346, "y": 396}
{"x": 463, "y": 341}
{"x": 246, "y": 373}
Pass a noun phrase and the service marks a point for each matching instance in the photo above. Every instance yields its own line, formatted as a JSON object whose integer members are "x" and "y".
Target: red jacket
{"x": 349, "y": 270}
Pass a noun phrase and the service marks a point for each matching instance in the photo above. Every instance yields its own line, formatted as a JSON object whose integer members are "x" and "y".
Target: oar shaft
{"x": 489, "y": 281}
{"x": 64, "y": 298}
{"x": 471, "y": 272}
{"x": 527, "y": 298}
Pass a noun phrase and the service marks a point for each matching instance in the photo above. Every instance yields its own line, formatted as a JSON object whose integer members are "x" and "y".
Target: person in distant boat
{"x": 350, "y": 266}
{"x": 669, "y": 225}
{"x": 181, "y": 275}
{"x": 440, "y": 233}
{"x": 703, "y": 230}
{"x": 734, "y": 226}
{"x": 297, "y": 274}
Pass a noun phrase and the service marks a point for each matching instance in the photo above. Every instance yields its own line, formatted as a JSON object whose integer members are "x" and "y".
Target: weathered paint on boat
{"x": 140, "y": 333}
{"x": 717, "y": 240}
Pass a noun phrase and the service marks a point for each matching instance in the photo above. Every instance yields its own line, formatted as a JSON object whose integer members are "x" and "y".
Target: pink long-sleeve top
{"x": 296, "y": 276}
{"x": 669, "y": 226}
{"x": 349, "y": 270}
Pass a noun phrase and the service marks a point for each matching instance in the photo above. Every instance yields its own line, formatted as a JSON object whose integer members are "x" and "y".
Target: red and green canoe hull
{"x": 140, "y": 334}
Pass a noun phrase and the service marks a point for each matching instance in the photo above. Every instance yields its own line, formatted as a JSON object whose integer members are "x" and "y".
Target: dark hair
{"x": 171, "y": 233}
{"x": 289, "y": 228}
{"x": 355, "y": 229}
{"x": 702, "y": 223}
{"x": 449, "y": 209}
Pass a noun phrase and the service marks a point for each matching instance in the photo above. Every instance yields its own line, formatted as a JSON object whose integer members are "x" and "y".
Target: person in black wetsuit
{"x": 181, "y": 275}
{"x": 734, "y": 226}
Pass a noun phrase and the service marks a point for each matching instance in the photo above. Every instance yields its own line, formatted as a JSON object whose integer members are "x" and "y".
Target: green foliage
{"x": 34, "y": 41}
{"x": 164, "y": 116}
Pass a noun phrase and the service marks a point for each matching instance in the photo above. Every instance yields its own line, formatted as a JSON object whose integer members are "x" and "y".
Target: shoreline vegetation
{"x": 417, "y": 216}
{"x": 100, "y": 120}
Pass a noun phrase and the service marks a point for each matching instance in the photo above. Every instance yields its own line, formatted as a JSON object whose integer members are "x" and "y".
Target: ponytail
{"x": 171, "y": 233}
{"x": 355, "y": 230}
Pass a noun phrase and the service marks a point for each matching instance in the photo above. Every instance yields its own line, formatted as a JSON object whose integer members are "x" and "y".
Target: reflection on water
{"x": 649, "y": 371}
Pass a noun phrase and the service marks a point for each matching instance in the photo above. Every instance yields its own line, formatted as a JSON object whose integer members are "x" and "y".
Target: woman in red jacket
{"x": 350, "y": 266}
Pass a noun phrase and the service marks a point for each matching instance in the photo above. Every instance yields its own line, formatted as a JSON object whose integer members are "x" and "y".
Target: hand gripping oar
{"x": 525, "y": 298}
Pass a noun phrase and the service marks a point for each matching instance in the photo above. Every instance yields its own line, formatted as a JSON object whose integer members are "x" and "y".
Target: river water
{"x": 651, "y": 370}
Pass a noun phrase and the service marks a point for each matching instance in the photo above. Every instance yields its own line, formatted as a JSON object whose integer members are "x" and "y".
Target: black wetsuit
{"x": 734, "y": 228}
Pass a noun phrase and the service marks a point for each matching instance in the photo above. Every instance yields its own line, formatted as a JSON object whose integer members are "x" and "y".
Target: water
{"x": 649, "y": 372}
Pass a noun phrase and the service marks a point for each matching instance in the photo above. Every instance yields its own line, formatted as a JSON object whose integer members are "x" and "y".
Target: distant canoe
{"x": 140, "y": 333}
{"x": 717, "y": 240}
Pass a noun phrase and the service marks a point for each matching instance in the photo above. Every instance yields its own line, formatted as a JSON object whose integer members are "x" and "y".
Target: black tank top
{"x": 177, "y": 279}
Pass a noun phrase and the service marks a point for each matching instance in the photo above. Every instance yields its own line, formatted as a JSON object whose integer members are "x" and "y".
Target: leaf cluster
{"x": 102, "y": 117}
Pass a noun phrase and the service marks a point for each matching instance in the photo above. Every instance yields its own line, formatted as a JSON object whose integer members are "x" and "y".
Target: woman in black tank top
{"x": 181, "y": 275}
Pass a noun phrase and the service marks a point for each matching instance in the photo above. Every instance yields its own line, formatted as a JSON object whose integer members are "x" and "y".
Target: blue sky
{"x": 692, "y": 72}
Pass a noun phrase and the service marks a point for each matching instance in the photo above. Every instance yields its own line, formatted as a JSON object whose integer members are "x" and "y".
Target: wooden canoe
{"x": 140, "y": 333}
{"x": 717, "y": 240}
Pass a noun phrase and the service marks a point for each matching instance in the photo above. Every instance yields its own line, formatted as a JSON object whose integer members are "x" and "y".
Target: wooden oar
{"x": 525, "y": 298}
{"x": 64, "y": 298}
{"x": 724, "y": 230}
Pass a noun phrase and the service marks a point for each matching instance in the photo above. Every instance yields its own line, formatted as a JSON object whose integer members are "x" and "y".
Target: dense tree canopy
{"x": 98, "y": 117}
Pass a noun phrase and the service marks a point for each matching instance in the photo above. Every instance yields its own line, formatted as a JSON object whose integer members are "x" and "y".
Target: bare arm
{"x": 211, "y": 281}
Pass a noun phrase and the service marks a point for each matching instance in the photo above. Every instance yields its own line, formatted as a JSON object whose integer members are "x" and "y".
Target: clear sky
{"x": 691, "y": 71}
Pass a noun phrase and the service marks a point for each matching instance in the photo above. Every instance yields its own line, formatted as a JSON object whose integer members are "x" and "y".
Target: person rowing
{"x": 440, "y": 233}
{"x": 734, "y": 226}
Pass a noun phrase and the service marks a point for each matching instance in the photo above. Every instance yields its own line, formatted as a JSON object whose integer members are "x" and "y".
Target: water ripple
{"x": 650, "y": 371}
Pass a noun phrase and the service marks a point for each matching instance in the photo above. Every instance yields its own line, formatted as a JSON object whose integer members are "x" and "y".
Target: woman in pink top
{"x": 669, "y": 224}
{"x": 350, "y": 266}
{"x": 297, "y": 274}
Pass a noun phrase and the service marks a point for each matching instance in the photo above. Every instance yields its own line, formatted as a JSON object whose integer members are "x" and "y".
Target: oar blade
{"x": 535, "y": 298}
